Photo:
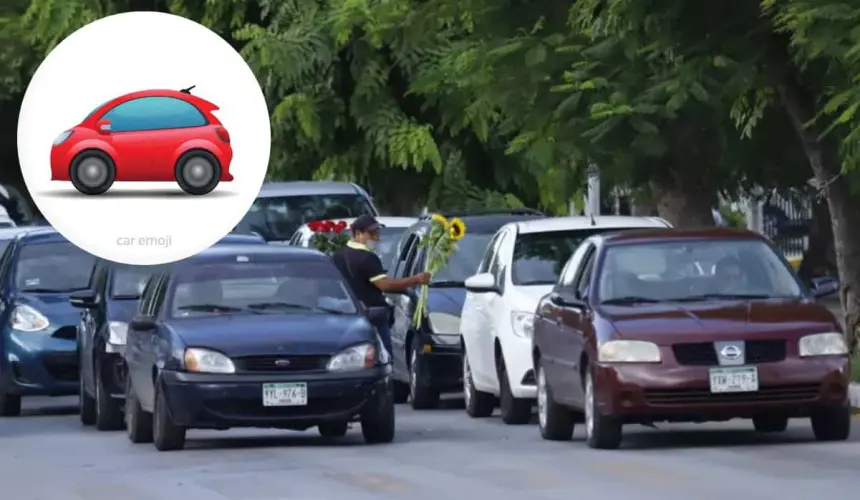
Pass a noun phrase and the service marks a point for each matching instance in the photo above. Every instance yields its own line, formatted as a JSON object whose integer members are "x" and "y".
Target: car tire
{"x": 602, "y": 432}
{"x": 108, "y": 412}
{"x": 197, "y": 172}
{"x": 333, "y": 429}
{"x": 555, "y": 421}
{"x": 377, "y": 421}
{"x": 138, "y": 423}
{"x": 400, "y": 391}
{"x": 422, "y": 397}
{"x": 10, "y": 405}
{"x": 92, "y": 172}
{"x": 769, "y": 423}
{"x": 832, "y": 424}
{"x": 479, "y": 404}
{"x": 166, "y": 435}
{"x": 87, "y": 403}
{"x": 515, "y": 411}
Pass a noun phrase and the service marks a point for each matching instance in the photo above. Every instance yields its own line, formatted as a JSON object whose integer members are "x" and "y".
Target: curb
{"x": 854, "y": 394}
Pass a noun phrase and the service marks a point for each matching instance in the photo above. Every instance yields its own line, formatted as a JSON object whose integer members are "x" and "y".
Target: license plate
{"x": 740, "y": 379}
{"x": 294, "y": 394}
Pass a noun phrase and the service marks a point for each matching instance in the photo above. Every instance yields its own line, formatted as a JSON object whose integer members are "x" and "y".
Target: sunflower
{"x": 457, "y": 229}
{"x": 441, "y": 220}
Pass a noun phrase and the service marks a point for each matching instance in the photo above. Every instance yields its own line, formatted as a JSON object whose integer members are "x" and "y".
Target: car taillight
{"x": 222, "y": 134}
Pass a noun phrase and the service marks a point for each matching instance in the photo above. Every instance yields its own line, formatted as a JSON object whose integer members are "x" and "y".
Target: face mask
{"x": 371, "y": 244}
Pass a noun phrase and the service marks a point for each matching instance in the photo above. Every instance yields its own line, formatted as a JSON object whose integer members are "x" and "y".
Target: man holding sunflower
{"x": 365, "y": 274}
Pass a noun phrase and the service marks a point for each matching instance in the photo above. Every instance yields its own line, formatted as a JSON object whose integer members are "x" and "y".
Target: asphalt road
{"x": 438, "y": 455}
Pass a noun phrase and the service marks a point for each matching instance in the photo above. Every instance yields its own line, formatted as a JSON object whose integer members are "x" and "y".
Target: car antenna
{"x": 188, "y": 90}
{"x": 592, "y": 220}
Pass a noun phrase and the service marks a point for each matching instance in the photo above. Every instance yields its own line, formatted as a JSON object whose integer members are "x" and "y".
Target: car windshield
{"x": 297, "y": 287}
{"x": 277, "y": 218}
{"x": 128, "y": 281}
{"x": 465, "y": 260}
{"x": 695, "y": 270}
{"x": 539, "y": 257}
{"x": 53, "y": 267}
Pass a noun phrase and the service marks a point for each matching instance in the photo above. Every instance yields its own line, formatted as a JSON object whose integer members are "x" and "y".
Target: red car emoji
{"x": 146, "y": 136}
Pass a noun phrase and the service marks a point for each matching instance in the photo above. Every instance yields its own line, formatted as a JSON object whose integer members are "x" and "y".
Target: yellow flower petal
{"x": 441, "y": 220}
{"x": 457, "y": 229}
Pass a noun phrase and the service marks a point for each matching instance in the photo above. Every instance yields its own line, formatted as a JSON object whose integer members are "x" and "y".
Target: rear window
{"x": 53, "y": 267}
{"x": 277, "y": 218}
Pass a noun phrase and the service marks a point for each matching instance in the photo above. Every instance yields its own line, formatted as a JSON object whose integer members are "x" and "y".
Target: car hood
{"x": 274, "y": 334}
{"x": 122, "y": 309}
{"x": 55, "y": 306}
{"x": 668, "y": 323}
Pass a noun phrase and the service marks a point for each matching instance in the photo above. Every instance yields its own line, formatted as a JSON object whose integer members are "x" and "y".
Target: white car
{"x": 521, "y": 265}
{"x": 392, "y": 229}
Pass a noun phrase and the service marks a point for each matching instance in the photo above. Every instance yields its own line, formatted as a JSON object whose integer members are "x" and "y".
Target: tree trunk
{"x": 819, "y": 258}
{"x": 684, "y": 202}
{"x": 823, "y": 156}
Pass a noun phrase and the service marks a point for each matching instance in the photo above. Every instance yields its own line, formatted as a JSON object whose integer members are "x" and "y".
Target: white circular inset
{"x": 127, "y": 163}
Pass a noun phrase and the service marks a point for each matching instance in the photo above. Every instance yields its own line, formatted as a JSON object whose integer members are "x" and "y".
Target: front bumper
{"x": 520, "y": 366}
{"x": 114, "y": 372}
{"x": 794, "y": 387}
{"x": 442, "y": 363}
{"x": 38, "y": 364}
{"x": 218, "y": 401}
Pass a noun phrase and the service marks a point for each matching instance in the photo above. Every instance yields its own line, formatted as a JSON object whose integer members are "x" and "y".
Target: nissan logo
{"x": 730, "y": 352}
{"x": 282, "y": 362}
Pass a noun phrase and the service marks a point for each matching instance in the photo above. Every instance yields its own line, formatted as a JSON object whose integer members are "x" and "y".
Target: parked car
{"x": 389, "y": 235}
{"x": 8, "y": 235}
{"x": 40, "y": 269}
{"x": 282, "y": 208}
{"x": 427, "y": 361}
{"x": 254, "y": 336}
{"x": 623, "y": 339}
{"x": 152, "y": 136}
{"x": 521, "y": 265}
{"x": 106, "y": 308}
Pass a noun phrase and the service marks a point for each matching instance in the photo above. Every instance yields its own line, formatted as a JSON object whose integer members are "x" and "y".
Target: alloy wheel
{"x": 589, "y": 406}
{"x": 541, "y": 398}
{"x": 467, "y": 380}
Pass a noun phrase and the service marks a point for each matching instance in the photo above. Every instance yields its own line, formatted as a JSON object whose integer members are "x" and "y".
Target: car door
{"x": 89, "y": 326}
{"x": 401, "y": 304}
{"x": 150, "y": 344}
{"x": 137, "y": 341}
{"x": 574, "y": 325}
{"x": 494, "y": 310}
{"x": 473, "y": 320}
{"x": 484, "y": 364}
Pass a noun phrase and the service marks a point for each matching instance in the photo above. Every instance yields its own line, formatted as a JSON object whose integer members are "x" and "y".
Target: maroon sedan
{"x": 686, "y": 326}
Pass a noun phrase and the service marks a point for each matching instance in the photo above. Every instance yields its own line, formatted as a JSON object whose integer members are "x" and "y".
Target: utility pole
{"x": 592, "y": 200}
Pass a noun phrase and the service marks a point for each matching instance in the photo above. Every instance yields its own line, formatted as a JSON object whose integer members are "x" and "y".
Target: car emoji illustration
{"x": 146, "y": 136}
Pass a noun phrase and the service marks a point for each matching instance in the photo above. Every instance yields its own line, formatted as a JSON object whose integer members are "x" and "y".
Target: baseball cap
{"x": 365, "y": 223}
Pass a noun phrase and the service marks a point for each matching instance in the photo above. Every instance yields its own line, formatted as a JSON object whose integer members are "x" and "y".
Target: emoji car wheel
{"x": 198, "y": 172}
{"x": 92, "y": 172}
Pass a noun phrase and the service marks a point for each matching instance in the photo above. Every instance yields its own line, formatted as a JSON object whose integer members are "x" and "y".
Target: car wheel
{"x": 832, "y": 424}
{"x": 333, "y": 429}
{"x": 10, "y": 405}
{"x": 377, "y": 421}
{"x": 166, "y": 435}
{"x": 138, "y": 423}
{"x": 108, "y": 412}
{"x": 92, "y": 172}
{"x": 87, "y": 403}
{"x": 400, "y": 391}
{"x": 422, "y": 396}
{"x": 601, "y": 431}
{"x": 770, "y": 423}
{"x": 198, "y": 172}
{"x": 515, "y": 411}
{"x": 479, "y": 404}
{"x": 554, "y": 420}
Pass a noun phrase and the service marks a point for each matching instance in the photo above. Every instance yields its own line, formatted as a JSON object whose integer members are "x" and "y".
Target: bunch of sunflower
{"x": 441, "y": 242}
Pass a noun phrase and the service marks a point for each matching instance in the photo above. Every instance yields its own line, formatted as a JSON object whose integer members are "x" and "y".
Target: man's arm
{"x": 389, "y": 285}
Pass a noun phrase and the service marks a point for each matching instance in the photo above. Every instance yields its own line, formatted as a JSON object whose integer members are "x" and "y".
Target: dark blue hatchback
{"x": 254, "y": 336}
{"x": 38, "y": 271}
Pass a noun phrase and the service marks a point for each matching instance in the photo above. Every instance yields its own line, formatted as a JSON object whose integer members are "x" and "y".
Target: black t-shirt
{"x": 360, "y": 268}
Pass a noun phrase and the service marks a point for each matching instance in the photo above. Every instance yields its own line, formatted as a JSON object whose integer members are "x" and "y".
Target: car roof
{"x": 300, "y": 188}
{"x": 40, "y": 235}
{"x": 258, "y": 253}
{"x": 9, "y": 233}
{"x": 485, "y": 224}
{"x": 395, "y": 222}
{"x": 240, "y": 238}
{"x": 646, "y": 235}
{"x": 583, "y": 222}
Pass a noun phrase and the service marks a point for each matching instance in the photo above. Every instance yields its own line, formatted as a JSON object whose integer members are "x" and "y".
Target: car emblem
{"x": 282, "y": 362}
{"x": 730, "y": 352}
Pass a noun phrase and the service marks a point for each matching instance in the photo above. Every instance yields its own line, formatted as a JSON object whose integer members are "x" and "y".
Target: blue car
{"x": 40, "y": 269}
{"x": 254, "y": 336}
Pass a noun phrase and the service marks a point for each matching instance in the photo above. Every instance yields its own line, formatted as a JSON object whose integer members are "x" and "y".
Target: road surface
{"x": 438, "y": 455}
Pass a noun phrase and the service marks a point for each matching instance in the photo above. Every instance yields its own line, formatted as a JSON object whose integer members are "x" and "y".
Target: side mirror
{"x": 566, "y": 300}
{"x": 143, "y": 323}
{"x": 83, "y": 299}
{"x": 377, "y": 314}
{"x": 822, "y": 287}
{"x": 103, "y": 127}
{"x": 482, "y": 283}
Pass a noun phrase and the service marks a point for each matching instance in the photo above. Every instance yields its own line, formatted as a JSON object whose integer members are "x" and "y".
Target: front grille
{"x": 704, "y": 353}
{"x": 66, "y": 332}
{"x": 773, "y": 394}
{"x": 281, "y": 363}
{"x": 61, "y": 367}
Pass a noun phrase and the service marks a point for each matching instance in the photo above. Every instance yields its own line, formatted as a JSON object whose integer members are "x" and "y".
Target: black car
{"x": 254, "y": 336}
{"x": 428, "y": 362}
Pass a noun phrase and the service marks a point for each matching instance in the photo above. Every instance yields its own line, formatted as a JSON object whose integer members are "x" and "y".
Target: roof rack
{"x": 188, "y": 89}
{"x": 469, "y": 213}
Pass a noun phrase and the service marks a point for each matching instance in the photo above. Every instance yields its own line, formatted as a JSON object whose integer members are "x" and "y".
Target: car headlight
{"x": 523, "y": 324}
{"x": 27, "y": 319}
{"x": 822, "y": 344}
{"x": 444, "y": 323}
{"x": 629, "y": 351}
{"x": 62, "y": 137}
{"x": 207, "y": 361}
{"x": 357, "y": 357}
{"x": 117, "y": 332}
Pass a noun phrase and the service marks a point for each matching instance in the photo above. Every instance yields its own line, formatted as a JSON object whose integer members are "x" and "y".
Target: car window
{"x": 154, "y": 113}
{"x": 568, "y": 275}
{"x": 685, "y": 270}
{"x": 489, "y": 252}
{"x": 297, "y": 287}
{"x": 147, "y": 295}
{"x": 277, "y": 218}
{"x": 496, "y": 266}
{"x": 584, "y": 276}
{"x": 539, "y": 257}
{"x": 129, "y": 281}
{"x": 53, "y": 267}
{"x": 4, "y": 244}
{"x": 406, "y": 249}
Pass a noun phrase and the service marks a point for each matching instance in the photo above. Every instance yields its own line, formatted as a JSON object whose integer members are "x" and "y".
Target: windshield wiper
{"x": 721, "y": 296}
{"x": 630, "y": 300}
{"x": 211, "y": 308}
{"x": 288, "y": 305}
{"x": 447, "y": 284}
{"x": 49, "y": 290}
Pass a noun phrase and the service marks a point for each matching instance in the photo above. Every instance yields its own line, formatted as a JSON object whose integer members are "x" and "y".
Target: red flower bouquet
{"x": 329, "y": 236}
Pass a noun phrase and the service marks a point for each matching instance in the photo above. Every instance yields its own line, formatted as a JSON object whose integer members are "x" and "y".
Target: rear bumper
{"x": 35, "y": 364}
